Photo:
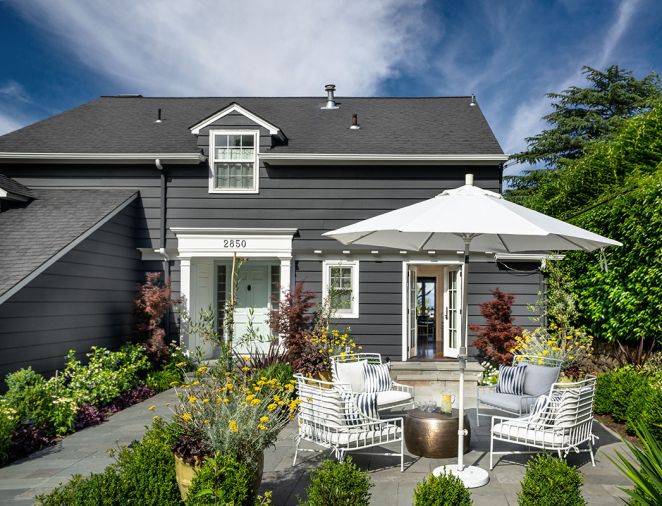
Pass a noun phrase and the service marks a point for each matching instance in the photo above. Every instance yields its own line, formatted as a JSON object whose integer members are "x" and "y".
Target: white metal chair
{"x": 325, "y": 421}
{"x": 537, "y": 381}
{"x": 399, "y": 395}
{"x": 561, "y": 422}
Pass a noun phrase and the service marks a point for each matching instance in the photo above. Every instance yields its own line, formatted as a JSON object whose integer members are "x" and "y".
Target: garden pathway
{"x": 86, "y": 451}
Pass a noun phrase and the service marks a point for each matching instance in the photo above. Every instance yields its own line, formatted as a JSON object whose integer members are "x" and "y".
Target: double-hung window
{"x": 340, "y": 282}
{"x": 233, "y": 161}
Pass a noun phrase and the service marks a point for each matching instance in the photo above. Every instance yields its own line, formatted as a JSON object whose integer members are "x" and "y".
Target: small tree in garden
{"x": 293, "y": 318}
{"x": 497, "y": 337}
{"x": 151, "y": 305}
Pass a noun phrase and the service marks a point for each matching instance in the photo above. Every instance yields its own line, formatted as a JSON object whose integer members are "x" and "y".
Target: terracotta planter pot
{"x": 185, "y": 473}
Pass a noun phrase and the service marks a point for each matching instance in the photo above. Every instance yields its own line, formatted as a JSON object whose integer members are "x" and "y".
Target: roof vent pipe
{"x": 469, "y": 179}
{"x": 158, "y": 116}
{"x": 330, "y": 97}
{"x": 473, "y": 100}
{"x": 355, "y": 122}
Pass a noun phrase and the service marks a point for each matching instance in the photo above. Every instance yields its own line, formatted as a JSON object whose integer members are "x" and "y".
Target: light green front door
{"x": 251, "y": 317}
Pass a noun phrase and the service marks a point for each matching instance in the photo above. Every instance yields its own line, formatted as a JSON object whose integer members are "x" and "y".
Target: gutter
{"x": 381, "y": 159}
{"x": 180, "y": 158}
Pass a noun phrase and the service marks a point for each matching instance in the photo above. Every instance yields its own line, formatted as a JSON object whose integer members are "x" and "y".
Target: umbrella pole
{"x": 471, "y": 476}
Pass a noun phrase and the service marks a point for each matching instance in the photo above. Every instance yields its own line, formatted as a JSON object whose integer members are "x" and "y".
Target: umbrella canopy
{"x": 469, "y": 219}
{"x": 495, "y": 224}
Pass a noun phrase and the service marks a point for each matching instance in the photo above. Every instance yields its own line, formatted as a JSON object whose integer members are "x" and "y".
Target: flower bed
{"x": 35, "y": 411}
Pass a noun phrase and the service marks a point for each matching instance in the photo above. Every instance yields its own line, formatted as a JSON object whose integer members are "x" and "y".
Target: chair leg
{"x": 296, "y": 451}
{"x": 402, "y": 455}
{"x": 590, "y": 451}
{"x": 491, "y": 451}
{"x": 477, "y": 414}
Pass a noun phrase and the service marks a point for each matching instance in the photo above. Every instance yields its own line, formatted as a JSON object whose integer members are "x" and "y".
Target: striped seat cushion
{"x": 511, "y": 379}
{"x": 377, "y": 377}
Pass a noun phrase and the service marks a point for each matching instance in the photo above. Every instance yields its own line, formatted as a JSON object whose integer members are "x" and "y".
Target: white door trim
{"x": 405, "y": 274}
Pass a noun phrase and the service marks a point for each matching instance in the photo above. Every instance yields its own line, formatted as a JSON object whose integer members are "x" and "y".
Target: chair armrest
{"x": 372, "y": 425}
{"x": 402, "y": 388}
{"x": 509, "y": 418}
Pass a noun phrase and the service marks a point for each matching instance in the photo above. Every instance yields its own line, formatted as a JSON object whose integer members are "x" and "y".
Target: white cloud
{"x": 616, "y": 31}
{"x": 9, "y": 122}
{"x": 258, "y": 47}
{"x": 13, "y": 90}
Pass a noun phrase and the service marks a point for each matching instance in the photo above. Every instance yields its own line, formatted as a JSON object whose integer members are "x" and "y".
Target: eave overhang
{"x": 381, "y": 159}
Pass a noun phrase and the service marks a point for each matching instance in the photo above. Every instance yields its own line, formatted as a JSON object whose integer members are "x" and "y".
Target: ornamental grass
{"x": 239, "y": 413}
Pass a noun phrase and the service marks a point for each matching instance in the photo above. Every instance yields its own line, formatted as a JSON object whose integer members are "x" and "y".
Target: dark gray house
{"x": 122, "y": 185}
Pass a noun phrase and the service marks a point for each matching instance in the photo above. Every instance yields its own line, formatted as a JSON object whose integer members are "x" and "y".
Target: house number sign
{"x": 234, "y": 243}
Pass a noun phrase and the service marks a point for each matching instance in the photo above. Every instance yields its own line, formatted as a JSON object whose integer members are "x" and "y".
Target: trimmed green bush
{"x": 443, "y": 490}
{"x": 8, "y": 422}
{"x": 338, "y": 483}
{"x": 624, "y": 382}
{"x": 549, "y": 481}
{"x": 645, "y": 410}
{"x": 603, "y": 393}
{"x": 222, "y": 479}
{"x": 143, "y": 474}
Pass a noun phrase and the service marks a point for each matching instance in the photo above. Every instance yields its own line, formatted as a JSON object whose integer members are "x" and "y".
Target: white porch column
{"x": 285, "y": 275}
{"x": 185, "y": 291}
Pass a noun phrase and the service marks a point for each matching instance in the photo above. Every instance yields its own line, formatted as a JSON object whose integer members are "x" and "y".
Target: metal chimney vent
{"x": 330, "y": 98}
{"x": 355, "y": 122}
{"x": 473, "y": 101}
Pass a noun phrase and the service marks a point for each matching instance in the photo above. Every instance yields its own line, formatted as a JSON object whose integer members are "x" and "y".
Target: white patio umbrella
{"x": 473, "y": 220}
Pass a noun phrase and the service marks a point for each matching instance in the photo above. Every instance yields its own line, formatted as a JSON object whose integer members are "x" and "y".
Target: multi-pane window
{"x": 341, "y": 286}
{"x": 234, "y": 162}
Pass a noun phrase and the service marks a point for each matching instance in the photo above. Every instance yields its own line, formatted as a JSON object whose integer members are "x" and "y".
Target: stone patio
{"x": 85, "y": 452}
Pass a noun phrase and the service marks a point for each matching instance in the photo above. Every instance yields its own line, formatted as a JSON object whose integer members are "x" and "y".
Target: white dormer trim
{"x": 273, "y": 129}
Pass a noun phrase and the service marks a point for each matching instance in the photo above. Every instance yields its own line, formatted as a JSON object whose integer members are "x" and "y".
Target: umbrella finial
{"x": 469, "y": 179}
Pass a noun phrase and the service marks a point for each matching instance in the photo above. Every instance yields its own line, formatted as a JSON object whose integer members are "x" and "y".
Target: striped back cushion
{"x": 511, "y": 379}
{"x": 359, "y": 406}
{"x": 378, "y": 377}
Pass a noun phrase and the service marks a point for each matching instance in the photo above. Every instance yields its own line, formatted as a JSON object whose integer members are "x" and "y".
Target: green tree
{"x": 579, "y": 116}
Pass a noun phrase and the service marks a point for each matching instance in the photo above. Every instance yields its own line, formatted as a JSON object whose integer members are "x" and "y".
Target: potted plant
{"x": 237, "y": 413}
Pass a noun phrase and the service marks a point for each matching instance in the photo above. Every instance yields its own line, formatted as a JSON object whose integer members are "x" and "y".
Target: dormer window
{"x": 233, "y": 161}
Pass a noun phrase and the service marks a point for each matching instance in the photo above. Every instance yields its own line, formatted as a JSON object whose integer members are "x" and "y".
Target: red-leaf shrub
{"x": 151, "y": 305}
{"x": 292, "y": 319}
{"x": 87, "y": 416}
{"x": 497, "y": 337}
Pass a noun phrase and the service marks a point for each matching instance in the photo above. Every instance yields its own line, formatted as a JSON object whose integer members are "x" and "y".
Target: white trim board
{"x": 377, "y": 158}
{"x": 66, "y": 249}
{"x": 228, "y": 242}
{"x": 273, "y": 129}
{"x": 182, "y": 158}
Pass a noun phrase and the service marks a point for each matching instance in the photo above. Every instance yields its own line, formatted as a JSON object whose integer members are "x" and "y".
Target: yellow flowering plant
{"x": 321, "y": 344}
{"x": 571, "y": 347}
{"x": 235, "y": 413}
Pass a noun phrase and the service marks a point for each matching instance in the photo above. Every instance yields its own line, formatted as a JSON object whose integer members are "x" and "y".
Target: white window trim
{"x": 212, "y": 160}
{"x": 354, "y": 264}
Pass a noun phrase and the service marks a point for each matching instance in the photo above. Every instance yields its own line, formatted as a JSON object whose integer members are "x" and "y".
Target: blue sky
{"x": 57, "y": 54}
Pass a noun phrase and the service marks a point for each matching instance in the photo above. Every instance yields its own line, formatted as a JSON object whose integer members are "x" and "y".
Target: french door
{"x": 412, "y": 325}
{"x": 452, "y": 311}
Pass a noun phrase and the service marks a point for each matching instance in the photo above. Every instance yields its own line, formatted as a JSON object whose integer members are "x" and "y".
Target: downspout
{"x": 162, "y": 233}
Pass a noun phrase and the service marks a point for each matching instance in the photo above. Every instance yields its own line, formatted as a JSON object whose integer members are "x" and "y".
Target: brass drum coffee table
{"x": 433, "y": 434}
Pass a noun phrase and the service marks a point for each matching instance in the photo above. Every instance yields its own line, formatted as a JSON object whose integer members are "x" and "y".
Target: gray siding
{"x": 313, "y": 200}
{"x": 84, "y": 299}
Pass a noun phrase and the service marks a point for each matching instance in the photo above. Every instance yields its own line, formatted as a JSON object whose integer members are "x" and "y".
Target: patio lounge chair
{"x": 347, "y": 369}
{"x": 329, "y": 417}
{"x": 561, "y": 422}
{"x": 540, "y": 375}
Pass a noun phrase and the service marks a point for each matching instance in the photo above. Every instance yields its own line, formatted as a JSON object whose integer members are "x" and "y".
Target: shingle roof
{"x": 438, "y": 125}
{"x": 32, "y": 234}
{"x": 11, "y": 186}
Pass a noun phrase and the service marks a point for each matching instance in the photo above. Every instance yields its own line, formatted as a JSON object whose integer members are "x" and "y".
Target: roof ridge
{"x": 230, "y": 97}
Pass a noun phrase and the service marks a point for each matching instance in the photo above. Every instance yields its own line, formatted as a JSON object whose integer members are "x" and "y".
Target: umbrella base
{"x": 471, "y": 476}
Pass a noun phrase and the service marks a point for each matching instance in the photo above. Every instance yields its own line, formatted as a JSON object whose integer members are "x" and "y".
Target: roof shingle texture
{"x": 11, "y": 186}
{"x": 34, "y": 233}
{"x": 438, "y": 125}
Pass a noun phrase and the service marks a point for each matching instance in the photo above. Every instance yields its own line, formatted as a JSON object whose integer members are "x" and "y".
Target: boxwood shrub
{"x": 442, "y": 490}
{"x": 549, "y": 481}
{"x": 338, "y": 483}
{"x": 143, "y": 474}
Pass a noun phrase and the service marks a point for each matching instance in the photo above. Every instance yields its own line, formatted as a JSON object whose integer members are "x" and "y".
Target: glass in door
{"x": 452, "y": 312}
